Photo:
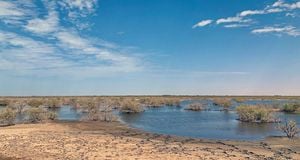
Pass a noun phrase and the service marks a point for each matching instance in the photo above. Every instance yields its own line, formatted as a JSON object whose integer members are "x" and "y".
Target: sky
{"x": 142, "y": 47}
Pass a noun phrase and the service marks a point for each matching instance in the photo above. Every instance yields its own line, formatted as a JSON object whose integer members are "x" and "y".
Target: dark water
{"x": 211, "y": 124}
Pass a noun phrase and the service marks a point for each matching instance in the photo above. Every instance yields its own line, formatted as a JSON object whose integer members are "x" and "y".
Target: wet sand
{"x": 100, "y": 140}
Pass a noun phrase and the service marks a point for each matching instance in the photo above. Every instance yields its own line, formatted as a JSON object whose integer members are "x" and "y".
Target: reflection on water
{"x": 205, "y": 124}
{"x": 67, "y": 113}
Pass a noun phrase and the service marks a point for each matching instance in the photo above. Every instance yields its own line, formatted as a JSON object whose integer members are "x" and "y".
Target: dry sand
{"x": 99, "y": 140}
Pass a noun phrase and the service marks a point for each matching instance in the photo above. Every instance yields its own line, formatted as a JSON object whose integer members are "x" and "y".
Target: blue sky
{"x": 119, "y": 47}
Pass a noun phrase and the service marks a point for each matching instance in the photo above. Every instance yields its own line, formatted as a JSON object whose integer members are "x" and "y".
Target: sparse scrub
{"x": 255, "y": 114}
{"x": 290, "y": 128}
{"x": 7, "y": 116}
{"x": 195, "y": 107}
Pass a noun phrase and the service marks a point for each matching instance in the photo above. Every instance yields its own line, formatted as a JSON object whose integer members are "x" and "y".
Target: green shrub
{"x": 7, "y": 116}
{"x": 256, "y": 114}
{"x": 290, "y": 108}
{"x": 36, "y": 114}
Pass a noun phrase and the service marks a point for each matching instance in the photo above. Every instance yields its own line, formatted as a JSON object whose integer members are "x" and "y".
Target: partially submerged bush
{"x": 256, "y": 114}
{"x": 195, "y": 107}
{"x": 4, "y": 102}
{"x": 7, "y": 116}
{"x": 51, "y": 115}
{"x": 53, "y": 103}
{"x": 291, "y": 108}
{"x": 223, "y": 102}
{"x": 35, "y": 103}
{"x": 290, "y": 128}
{"x": 35, "y": 114}
{"x": 131, "y": 106}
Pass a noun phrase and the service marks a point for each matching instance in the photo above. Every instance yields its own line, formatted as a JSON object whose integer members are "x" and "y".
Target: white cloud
{"x": 282, "y": 4}
{"x": 241, "y": 19}
{"x": 289, "y": 30}
{"x": 251, "y": 12}
{"x": 229, "y": 20}
{"x": 236, "y": 25}
{"x": 58, "y": 48}
{"x": 47, "y": 25}
{"x": 9, "y": 9}
{"x": 203, "y": 23}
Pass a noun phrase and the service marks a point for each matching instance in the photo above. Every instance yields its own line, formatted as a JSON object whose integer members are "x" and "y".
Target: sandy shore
{"x": 98, "y": 140}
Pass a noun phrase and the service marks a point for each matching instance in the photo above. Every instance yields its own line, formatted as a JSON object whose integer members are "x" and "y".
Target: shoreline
{"x": 115, "y": 140}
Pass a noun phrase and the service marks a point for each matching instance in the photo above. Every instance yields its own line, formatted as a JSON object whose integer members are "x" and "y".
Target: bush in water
{"x": 131, "y": 106}
{"x": 35, "y": 114}
{"x": 289, "y": 128}
{"x": 7, "y": 116}
{"x": 195, "y": 107}
{"x": 256, "y": 114}
{"x": 291, "y": 108}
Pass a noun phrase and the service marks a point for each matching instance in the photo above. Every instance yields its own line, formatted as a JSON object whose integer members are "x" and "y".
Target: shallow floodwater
{"x": 211, "y": 124}
{"x": 68, "y": 113}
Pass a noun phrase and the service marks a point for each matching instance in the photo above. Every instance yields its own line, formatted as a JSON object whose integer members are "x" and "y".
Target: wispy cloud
{"x": 289, "y": 30}
{"x": 203, "y": 23}
{"x": 46, "y": 44}
{"x": 245, "y": 18}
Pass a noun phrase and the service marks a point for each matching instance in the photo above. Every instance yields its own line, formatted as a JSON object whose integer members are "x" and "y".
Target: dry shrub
{"x": 35, "y": 114}
{"x": 35, "y": 103}
{"x": 290, "y": 128}
{"x": 223, "y": 102}
{"x": 53, "y": 103}
{"x": 51, "y": 115}
{"x": 256, "y": 114}
{"x": 7, "y": 116}
{"x": 99, "y": 110}
{"x": 131, "y": 106}
{"x": 195, "y": 107}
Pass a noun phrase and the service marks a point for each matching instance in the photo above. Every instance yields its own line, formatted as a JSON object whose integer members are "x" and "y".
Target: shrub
{"x": 35, "y": 103}
{"x": 7, "y": 116}
{"x": 53, "y": 103}
{"x": 35, "y": 114}
{"x": 223, "y": 102}
{"x": 51, "y": 116}
{"x": 290, "y": 129}
{"x": 256, "y": 114}
{"x": 290, "y": 108}
{"x": 4, "y": 102}
{"x": 131, "y": 106}
{"x": 195, "y": 107}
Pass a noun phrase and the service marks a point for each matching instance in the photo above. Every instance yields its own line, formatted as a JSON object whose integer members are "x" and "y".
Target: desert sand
{"x": 100, "y": 140}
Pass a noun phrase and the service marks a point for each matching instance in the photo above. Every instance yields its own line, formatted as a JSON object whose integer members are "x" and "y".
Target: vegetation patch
{"x": 256, "y": 114}
{"x": 226, "y": 103}
{"x": 7, "y": 116}
{"x": 131, "y": 106}
{"x": 195, "y": 107}
{"x": 291, "y": 108}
